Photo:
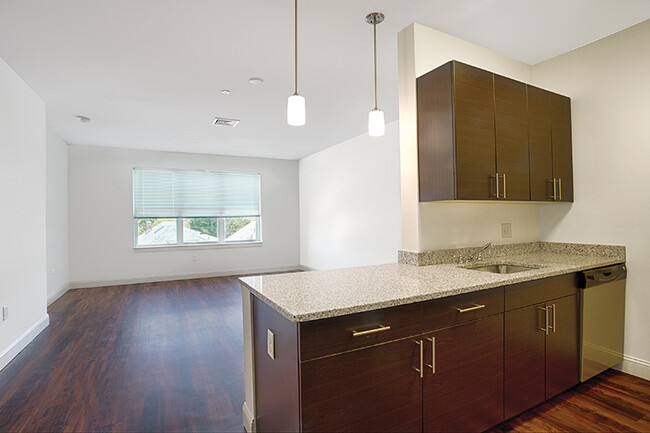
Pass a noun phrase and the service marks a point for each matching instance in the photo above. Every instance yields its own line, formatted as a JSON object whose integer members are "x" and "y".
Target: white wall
{"x": 349, "y": 203}
{"x": 101, "y": 219}
{"x": 22, "y": 219}
{"x": 427, "y": 226}
{"x": 58, "y": 274}
{"x": 609, "y": 85}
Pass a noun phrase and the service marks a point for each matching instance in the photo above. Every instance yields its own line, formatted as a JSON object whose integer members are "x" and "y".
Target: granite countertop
{"x": 305, "y": 296}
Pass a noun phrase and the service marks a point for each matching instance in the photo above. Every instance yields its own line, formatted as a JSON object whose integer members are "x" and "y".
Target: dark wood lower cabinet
{"x": 465, "y": 393}
{"x": 458, "y": 364}
{"x": 562, "y": 361}
{"x": 541, "y": 353}
{"x": 524, "y": 359}
{"x": 375, "y": 389}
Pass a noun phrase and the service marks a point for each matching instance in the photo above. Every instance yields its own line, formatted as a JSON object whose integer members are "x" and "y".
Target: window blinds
{"x": 165, "y": 193}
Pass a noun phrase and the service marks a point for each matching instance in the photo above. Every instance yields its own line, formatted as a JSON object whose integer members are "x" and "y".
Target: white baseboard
{"x": 249, "y": 420}
{"x": 307, "y": 268}
{"x": 635, "y": 366}
{"x": 17, "y": 346}
{"x": 157, "y": 278}
{"x": 53, "y": 297}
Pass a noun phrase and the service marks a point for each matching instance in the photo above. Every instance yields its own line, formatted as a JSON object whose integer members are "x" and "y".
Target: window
{"x": 192, "y": 207}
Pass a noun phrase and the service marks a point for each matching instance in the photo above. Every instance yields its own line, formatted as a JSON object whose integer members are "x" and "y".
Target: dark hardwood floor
{"x": 134, "y": 358}
{"x": 169, "y": 357}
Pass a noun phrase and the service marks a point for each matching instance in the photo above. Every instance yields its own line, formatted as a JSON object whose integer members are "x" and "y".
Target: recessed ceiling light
{"x": 83, "y": 119}
{"x": 256, "y": 81}
{"x": 225, "y": 92}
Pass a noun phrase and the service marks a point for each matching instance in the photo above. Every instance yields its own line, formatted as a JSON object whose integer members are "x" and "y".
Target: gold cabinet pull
{"x": 504, "y": 185}
{"x": 552, "y": 308}
{"x": 432, "y": 366}
{"x": 545, "y": 328}
{"x": 474, "y": 307}
{"x": 559, "y": 183}
{"x": 421, "y": 369}
{"x": 381, "y": 328}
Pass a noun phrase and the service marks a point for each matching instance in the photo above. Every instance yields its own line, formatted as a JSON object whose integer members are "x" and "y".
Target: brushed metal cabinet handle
{"x": 468, "y": 309}
{"x": 433, "y": 355}
{"x": 554, "y": 189}
{"x": 553, "y": 317}
{"x": 545, "y": 328}
{"x": 421, "y": 369}
{"x": 497, "y": 184}
{"x": 381, "y": 328}
{"x": 504, "y": 185}
{"x": 559, "y": 182}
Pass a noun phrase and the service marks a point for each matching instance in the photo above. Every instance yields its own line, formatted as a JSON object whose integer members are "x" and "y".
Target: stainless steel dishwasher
{"x": 602, "y": 307}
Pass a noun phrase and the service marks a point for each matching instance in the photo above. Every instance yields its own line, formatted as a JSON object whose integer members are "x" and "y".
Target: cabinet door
{"x": 474, "y": 121}
{"x": 511, "y": 124}
{"x": 524, "y": 359}
{"x": 562, "y": 153}
{"x": 373, "y": 389}
{"x": 539, "y": 141}
{"x": 463, "y": 386}
{"x": 562, "y": 360}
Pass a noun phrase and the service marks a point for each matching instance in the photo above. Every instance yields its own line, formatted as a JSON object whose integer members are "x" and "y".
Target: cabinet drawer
{"x": 340, "y": 334}
{"x": 444, "y": 312}
{"x": 533, "y": 292}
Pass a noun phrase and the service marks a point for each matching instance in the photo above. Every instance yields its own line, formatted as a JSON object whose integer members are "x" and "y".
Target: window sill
{"x": 196, "y": 246}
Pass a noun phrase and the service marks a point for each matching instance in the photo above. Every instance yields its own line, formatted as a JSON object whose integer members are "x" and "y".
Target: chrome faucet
{"x": 477, "y": 254}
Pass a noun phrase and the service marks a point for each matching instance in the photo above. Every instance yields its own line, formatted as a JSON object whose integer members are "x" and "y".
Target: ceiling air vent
{"x": 222, "y": 121}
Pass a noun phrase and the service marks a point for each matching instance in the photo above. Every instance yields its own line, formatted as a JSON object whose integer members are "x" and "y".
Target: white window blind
{"x": 165, "y": 193}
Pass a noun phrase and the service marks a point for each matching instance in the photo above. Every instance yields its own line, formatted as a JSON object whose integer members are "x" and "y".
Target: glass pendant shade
{"x": 376, "y": 126}
{"x": 296, "y": 110}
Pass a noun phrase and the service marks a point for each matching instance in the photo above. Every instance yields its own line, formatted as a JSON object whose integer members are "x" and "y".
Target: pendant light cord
{"x": 296, "y": 46}
{"x": 374, "y": 31}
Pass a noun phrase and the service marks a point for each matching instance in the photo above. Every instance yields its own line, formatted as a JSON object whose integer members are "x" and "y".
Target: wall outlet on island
{"x": 506, "y": 230}
{"x": 270, "y": 343}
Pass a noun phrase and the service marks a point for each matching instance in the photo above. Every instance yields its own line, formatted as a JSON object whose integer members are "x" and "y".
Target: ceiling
{"x": 149, "y": 73}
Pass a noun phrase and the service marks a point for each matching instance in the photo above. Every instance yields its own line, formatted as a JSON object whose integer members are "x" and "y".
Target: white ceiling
{"x": 150, "y": 72}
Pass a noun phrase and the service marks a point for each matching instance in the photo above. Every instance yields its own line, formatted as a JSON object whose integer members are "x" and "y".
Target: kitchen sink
{"x": 502, "y": 268}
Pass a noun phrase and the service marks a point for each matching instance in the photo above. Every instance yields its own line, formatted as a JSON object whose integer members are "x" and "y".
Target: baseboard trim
{"x": 249, "y": 420}
{"x": 157, "y": 278}
{"x": 17, "y": 346}
{"x": 307, "y": 268}
{"x": 57, "y": 295}
{"x": 635, "y": 366}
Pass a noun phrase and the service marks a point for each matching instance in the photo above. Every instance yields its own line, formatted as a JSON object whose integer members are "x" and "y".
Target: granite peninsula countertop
{"x": 305, "y": 296}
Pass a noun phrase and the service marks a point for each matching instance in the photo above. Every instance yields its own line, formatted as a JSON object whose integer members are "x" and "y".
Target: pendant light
{"x": 376, "y": 126}
{"x": 296, "y": 102}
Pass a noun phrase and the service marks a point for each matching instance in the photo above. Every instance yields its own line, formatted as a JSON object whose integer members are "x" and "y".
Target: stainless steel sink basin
{"x": 502, "y": 268}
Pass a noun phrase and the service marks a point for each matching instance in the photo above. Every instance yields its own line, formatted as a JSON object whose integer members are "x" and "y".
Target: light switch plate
{"x": 270, "y": 343}
{"x": 506, "y": 230}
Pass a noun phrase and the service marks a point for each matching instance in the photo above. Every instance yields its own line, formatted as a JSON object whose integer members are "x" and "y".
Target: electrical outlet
{"x": 506, "y": 230}
{"x": 52, "y": 271}
{"x": 195, "y": 257}
{"x": 270, "y": 343}
{"x": 5, "y": 313}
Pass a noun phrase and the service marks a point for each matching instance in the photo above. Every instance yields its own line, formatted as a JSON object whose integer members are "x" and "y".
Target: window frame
{"x": 221, "y": 227}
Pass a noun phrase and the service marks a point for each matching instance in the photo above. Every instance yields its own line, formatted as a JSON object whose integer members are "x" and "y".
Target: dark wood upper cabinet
{"x": 561, "y": 141}
{"x": 511, "y": 124}
{"x": 551, "y": 162}
{"x": 482, "y": 136}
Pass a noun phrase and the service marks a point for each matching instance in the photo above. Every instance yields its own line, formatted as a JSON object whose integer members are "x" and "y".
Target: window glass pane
{"x": 198, "y": 230}
{"x": 240, "y": 229}
{"x": 156, "y": 231}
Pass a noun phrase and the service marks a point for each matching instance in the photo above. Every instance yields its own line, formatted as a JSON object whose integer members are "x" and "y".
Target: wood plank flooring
{"x": 168, "y": 357}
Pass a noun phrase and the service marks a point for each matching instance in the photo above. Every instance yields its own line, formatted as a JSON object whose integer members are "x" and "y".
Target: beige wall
{"x": 609, "y": 85}
{"x": 427, "y": 226}
{"x": 22, "y": 220}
